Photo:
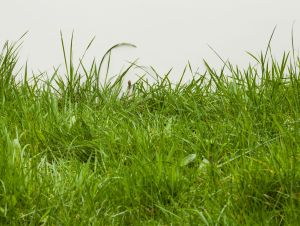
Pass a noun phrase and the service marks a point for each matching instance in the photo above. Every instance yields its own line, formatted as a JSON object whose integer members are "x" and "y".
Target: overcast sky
{"x": 167, "y": 33}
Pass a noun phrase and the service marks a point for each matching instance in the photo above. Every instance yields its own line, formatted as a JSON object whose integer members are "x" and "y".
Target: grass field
{"x": 223, "y": 149}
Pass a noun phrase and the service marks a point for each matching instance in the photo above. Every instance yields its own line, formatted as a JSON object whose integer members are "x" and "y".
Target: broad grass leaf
{"x": 188, "y": 159}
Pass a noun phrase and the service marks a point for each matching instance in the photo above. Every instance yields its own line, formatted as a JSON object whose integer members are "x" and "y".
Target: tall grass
{"x": 222, "y": 149}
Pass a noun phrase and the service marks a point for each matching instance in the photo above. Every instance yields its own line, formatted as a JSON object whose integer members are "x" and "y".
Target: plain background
{"x": 168, "y": 33}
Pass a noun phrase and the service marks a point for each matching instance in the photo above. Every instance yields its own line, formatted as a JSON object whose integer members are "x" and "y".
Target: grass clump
{"x": 222, "y": 149}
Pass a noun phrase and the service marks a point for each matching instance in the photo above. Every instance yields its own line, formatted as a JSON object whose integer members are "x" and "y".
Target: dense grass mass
{"x": 222, "y": 149}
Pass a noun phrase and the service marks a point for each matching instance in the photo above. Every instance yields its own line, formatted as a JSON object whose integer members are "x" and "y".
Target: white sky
{"x": 167, "y": 33}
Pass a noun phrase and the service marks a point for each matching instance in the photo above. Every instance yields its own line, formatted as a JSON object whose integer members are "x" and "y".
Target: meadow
{"x": 221, "y": 149}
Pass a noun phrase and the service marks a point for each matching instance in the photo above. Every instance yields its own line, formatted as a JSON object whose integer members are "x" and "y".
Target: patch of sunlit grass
{"x": 222, "y": 149}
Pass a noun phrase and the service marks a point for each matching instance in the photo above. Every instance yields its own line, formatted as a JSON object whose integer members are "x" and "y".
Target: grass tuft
{"x": 222, "y": 149}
